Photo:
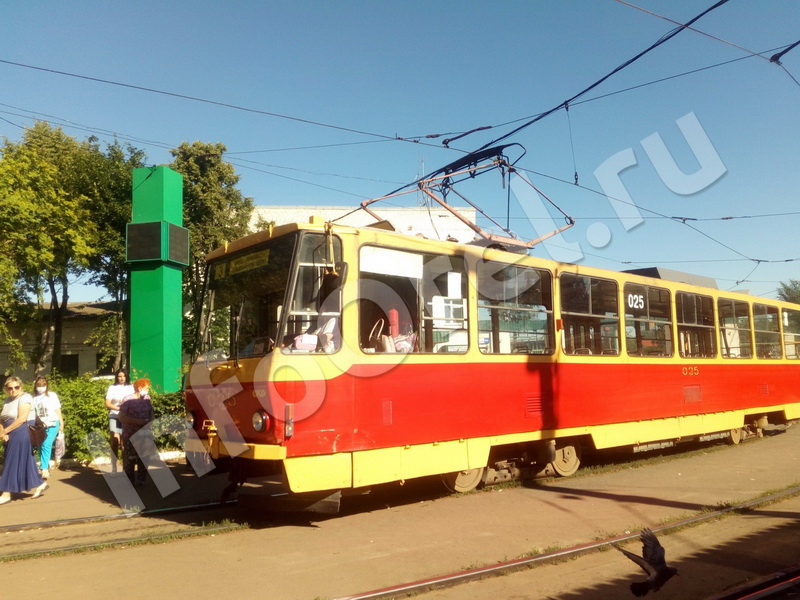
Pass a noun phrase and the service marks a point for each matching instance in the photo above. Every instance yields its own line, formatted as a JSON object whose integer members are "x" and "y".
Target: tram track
{"x": 405, "y": 536}
{"x": 123, "y": 542}
{"x": 114, "y": 516}
{"x": 63, "y": 536}
{"x": 170, "y": 523}
{"x": 765, "y": 587}
{"x": 607, "y": 462}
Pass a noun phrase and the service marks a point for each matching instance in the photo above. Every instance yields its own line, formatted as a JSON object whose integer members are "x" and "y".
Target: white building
{"x": 430, "y": 222}
{"x": 77, "y": 355}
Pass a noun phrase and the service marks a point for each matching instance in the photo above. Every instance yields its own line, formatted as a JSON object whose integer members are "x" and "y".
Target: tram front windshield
{"x": 257, "y": 298}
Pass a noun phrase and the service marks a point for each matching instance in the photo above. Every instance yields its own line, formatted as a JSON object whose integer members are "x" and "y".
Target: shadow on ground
{"x": 706, "y": 571}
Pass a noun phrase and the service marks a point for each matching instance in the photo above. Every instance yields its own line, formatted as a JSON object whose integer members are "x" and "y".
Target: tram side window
{"x": 444, "y": 301}
{"x": 648, "y": 322}
{"x": 411, "y": 302}
{"x": 515, "y": 309}
{"x": 734, "y": 329}
{"x": 791, "y": 333}
{"x": 766, "y": 325}
{"x": 696, "y": 336}
{"x": 590, "y": 315}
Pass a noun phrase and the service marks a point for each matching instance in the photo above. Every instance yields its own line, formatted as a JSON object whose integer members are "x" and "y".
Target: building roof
{"x": 90, "y": 310}
{"x": 679, "y": 276}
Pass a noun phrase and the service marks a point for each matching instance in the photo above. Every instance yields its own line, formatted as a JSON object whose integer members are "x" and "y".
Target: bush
{"x": 86, "y": 417}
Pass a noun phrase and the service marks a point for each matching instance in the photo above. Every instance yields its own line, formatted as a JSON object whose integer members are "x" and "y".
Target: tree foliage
{"x": 63, "y": 209}
{"x": 64, "y": 206}
{"x": 214, "y": 211}
{"x": 790, "y": 291}
{"x": 45, "y": 222}
{"x": 107, "y": 179}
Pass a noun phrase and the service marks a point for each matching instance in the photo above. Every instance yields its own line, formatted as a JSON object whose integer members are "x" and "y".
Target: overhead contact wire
{"x": 627, "y": 63}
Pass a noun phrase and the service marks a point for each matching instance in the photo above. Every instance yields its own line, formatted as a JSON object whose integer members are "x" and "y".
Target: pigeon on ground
{"x": 652, "y": 562}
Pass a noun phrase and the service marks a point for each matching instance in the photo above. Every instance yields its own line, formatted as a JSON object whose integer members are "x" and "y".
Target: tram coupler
{"x": 213, "y": 438}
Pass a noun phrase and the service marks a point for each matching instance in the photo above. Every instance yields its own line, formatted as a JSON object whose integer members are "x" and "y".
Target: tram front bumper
{"x": 216, "y": 448}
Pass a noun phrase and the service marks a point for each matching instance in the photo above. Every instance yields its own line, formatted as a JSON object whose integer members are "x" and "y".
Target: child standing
{"x": 48, "y": 408}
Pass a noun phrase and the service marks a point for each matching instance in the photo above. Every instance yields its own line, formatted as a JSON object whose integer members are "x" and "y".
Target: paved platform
{"x": 368, "y": 550}
{"x": 78, "y": 492}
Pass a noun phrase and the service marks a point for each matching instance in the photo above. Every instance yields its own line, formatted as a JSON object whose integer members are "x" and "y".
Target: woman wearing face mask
{"x": 117, "y": 392}
{"x": 19, "y": 467}
{"x": 48, "y": 407}
{"x": 135, "y": 412}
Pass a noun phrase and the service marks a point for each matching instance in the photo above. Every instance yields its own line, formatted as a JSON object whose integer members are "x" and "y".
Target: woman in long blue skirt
{"x": 19, "y": 466}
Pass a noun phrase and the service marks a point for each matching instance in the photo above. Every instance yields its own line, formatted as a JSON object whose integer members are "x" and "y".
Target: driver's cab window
{"x": 314, "y": 317}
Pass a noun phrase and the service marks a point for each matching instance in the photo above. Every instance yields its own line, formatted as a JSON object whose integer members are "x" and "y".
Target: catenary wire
{"x": 388, "y": 138}
{"x": 215, "y": 103}
{"x": 665, "y": 38}
{"x": 713, "y": 37}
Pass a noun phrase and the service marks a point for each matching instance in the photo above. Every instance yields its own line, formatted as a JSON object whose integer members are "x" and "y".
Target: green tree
{"x": 214, "y": 211}
{"x": 106, "y": 177}
{"x": 64, "y": 208}
{"x": 46, "y": 228}
{"x": 790, "y": 292}
{"x": 13, "y": 309}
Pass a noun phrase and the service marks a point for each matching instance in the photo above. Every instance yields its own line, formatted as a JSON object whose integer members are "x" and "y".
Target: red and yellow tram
{"x": 341, "y": 357}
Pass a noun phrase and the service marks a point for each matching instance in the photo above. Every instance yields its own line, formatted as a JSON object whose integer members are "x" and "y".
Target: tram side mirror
{"x": 334, "y": 278}
{"x": 332, "y": 281}
{"x": 341, "y": 272}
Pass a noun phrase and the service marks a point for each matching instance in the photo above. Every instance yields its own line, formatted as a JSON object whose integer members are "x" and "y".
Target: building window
{"x": 69, "y": 365}
{"x": 104, "y": 364}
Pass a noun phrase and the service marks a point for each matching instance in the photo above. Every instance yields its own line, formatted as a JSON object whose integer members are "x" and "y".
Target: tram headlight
{"x": 191, "y": 419}
{"x": 260, "y": 421}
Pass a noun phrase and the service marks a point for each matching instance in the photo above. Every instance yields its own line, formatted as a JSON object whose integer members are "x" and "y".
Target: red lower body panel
{"x": 423, "y": 403}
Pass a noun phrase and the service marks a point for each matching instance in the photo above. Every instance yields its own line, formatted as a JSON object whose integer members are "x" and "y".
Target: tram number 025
{"x": 690, "y": 371}
{"x": 636, "y": 301}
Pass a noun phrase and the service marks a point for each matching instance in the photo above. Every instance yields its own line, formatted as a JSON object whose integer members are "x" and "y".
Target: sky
{"x": 334, "y": 103}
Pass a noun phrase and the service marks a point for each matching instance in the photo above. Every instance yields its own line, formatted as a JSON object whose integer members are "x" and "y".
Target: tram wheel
{"x": 567, "y": 461}
{"x": 463, "y": 481}
{"x": 735, "y": 436}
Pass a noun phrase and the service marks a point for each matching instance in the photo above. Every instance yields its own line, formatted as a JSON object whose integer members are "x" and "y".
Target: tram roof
{"x": 319, "y": 224}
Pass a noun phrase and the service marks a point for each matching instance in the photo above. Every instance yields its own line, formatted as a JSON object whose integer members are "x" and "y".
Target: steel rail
{"x": 211, "y": 529}
{"x": 113, "y": 517}
{"x": 458, "y": 578}
{"x": 764, "y": 587}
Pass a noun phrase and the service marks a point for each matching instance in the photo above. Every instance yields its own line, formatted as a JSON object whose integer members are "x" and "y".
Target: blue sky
{"x": 322, "y": 88}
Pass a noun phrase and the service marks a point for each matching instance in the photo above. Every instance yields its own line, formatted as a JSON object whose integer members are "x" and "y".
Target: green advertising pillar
{"x": 157, "y": 250}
